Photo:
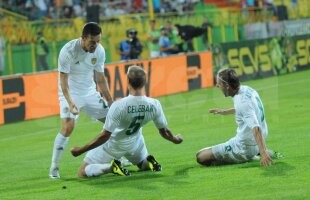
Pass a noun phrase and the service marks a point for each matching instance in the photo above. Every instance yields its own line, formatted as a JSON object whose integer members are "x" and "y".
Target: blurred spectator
{"x": 269, "y": 6}
{"x": 110, "y": 10}
{"x": 53, "y": 9}
{"x": 77, "y": 8}
{"x": 294, "y": 4}
{"x": 41, "y": 52}
{"x": 130, "y": 48}
{"x": 41, "y": 4}
{"x": 137, "y": 6}
{"x": 157, "y": 6}
{"x": 153, "y": 39}
{"x": 173, "y": 35}
{"x": 165, "y": 46}
{"x": 281, "y": 12}
{"x": 2, "y": 53}
{"x": 188, "y": 32}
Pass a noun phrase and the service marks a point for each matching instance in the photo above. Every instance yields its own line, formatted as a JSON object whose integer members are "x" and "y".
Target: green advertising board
{"x": 263, "y": 57}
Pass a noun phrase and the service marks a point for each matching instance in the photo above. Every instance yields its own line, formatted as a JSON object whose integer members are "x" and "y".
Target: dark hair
{"x": 230, "y": 77}
{"x": 131, "y": 31}
{"x": 136, "y": 77}
{"x": 91, "y": 28}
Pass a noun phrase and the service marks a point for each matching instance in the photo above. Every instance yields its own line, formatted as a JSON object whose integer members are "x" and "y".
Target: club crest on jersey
{"x": 93, "y": 61}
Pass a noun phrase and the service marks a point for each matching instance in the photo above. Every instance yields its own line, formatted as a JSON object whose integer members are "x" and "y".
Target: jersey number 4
{"x": 135, "y": 125}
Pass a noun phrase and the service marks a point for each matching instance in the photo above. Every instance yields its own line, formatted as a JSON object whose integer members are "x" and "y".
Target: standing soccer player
{"x": 79, "y": 61}
{"x": 252, "y": 127}
{"x": 122, "y": 134}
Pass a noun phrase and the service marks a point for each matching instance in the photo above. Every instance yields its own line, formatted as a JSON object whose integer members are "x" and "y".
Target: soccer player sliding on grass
{"x": 252, "y": 127}
{"x": 122, "y": 133}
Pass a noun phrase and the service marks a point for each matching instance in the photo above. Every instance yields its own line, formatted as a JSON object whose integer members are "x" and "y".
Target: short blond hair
{"x": 136, "y": 76}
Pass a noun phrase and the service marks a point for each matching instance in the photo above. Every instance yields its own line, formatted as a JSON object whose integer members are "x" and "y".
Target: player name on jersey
{"x": 140, "y": 108}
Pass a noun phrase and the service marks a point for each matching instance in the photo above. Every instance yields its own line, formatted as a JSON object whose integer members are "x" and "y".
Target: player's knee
{"x": 67, "y": 129}
{"x": 200, "y": 158}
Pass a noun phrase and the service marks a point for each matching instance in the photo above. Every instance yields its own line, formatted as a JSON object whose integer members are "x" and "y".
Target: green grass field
{"x": 26, "y": 149}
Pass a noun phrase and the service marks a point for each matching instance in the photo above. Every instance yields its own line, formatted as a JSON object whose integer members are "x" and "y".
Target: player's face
{"x": 223, "y": 86}
{"x": 91, "y": 42}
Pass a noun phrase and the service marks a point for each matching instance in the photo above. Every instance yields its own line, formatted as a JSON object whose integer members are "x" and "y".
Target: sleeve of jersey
{"x": 160, "y": 119}
{"x": 113, "y": 118}
{"x": 249, "y": 115}
{"x": 64, "y": 62}
{"x": 101, "y": 60}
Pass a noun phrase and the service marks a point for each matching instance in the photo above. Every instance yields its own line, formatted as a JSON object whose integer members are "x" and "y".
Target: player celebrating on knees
{"x": 122, "y": 134}
{"x": 252, "y": 127}
{"x": 79, "y": 60}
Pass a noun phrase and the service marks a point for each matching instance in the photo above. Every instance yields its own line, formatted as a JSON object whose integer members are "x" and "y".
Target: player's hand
{"x": 216, "y": 111}
{"x": 265, "y": 160}
{"x": 76, "y": 151}
{"x": 177, "y": 139}
{"x": 74, "y": 110}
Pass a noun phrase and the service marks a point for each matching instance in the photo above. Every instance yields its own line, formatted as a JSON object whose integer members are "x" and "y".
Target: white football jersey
{"x": 127, "y": 116}
{"x": 249, "y": 114}
{"x": 80, "y": 66}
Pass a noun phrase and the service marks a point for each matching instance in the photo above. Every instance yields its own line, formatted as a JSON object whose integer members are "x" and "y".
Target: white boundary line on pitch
{"x": 167, "y": 108}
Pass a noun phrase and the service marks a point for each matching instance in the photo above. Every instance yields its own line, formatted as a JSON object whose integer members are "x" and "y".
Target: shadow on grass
{"x": 277, "y": 169}
{"x": 147, "y": 180}
{"x": 115, "y": 181}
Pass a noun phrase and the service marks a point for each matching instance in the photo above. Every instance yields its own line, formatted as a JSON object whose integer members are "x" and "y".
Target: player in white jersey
{"x": 80, "y": 60}
{"x": 122, "y": 134}
{"x": 252, "y": 128}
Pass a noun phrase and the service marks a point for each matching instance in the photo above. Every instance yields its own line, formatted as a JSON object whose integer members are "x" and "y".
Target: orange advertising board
{"x": 35, "y": 96}
{"x": 28, "y": 97}
{"x": 166, "y": 76}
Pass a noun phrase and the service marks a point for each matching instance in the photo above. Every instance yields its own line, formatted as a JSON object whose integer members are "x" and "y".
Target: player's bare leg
{"x": 206, "y": 157}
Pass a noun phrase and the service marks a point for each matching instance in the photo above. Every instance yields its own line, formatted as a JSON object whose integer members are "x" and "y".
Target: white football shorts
{"x": 107, "y": 152}
{"x": 93, "y": 105}
{"x": 234, "y": 152}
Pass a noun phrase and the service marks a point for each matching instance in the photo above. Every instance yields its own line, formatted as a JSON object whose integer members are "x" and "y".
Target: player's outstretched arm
{"x": 166, "y": 133}
{"x": 219, "y": 111}
{"x": 99, "y": 140}
{"x": 265, "y": 158}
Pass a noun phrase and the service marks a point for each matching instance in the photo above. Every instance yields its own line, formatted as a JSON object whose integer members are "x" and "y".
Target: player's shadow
{"x": 146, "y": 179}
{"x": 277, "y": 169}
{"x": 114, "y": 181}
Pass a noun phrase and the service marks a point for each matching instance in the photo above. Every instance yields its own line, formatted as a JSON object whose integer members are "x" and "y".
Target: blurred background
{"x": 26, "y": 23}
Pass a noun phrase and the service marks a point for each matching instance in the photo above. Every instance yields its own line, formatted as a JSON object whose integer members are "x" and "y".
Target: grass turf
{"x": 26, "y": 149}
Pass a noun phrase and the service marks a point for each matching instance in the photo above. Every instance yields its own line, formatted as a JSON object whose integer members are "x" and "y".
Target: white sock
{"x": 59, "y": 146}
{"x": 97, "y": 169}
